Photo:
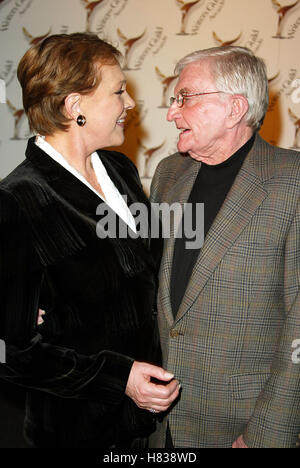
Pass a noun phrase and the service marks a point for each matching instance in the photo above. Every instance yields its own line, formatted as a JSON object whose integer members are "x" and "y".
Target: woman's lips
{"x": 121, "y": 121}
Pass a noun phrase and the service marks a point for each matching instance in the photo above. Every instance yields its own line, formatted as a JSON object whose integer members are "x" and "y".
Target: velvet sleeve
{"x": 29, "y": 361}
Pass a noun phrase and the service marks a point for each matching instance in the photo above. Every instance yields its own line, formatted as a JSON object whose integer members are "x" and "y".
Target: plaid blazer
{"x": 231, "y": 344}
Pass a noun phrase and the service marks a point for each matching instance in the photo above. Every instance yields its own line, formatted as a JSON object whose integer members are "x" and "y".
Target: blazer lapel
{"x": 242, "y": 201}
{"x": 179, "y": 193}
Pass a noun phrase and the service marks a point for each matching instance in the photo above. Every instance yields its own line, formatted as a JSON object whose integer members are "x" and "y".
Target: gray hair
{"x": 237, "y": 70}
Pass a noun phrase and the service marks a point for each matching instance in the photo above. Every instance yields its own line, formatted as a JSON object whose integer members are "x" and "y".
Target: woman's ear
{"x": 72, "y": 105}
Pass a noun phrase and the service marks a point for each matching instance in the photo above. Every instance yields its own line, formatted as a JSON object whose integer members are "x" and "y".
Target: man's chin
{"x": 182, "y": 148}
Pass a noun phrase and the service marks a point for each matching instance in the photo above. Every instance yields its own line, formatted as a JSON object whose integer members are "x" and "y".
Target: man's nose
{"x": 172, "y": 112}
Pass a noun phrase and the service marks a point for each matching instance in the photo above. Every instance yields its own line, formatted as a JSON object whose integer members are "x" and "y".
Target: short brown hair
{"x": 61, "y": 64}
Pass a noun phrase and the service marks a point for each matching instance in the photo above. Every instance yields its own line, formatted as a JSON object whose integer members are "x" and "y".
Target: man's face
{"x": 202, "y": 119}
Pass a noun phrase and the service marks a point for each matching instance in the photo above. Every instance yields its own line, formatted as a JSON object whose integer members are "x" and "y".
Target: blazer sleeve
{"x": 275, "y": 422}
{"x": 29, "y": 361}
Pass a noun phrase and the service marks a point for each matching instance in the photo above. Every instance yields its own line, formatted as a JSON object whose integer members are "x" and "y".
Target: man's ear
{"x": 72, "y": 105}
{"x": 238, "y": 109}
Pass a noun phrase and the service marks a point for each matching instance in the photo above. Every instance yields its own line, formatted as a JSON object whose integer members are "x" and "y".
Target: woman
{"x": 88, "y": 366}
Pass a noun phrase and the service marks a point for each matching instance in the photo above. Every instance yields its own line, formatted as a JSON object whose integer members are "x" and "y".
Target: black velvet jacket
{"x": 99, "y": 297}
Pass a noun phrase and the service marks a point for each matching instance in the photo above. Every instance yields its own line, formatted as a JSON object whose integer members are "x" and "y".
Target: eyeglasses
{"x": 181, "y": 97}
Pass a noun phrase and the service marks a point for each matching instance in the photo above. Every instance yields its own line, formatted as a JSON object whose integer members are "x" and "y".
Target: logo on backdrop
{"x": 128, "y": 43}
{"x": 90, "y": 7}
{"x": 282, "y": 12}
{"x": 147, "y": 155}
{"x": 166, "y": 82}
{"x": 225, "y": 43}
{"x": 271, "y": 80}
{"x": 296, "y": 121}
{"x": 185, "y": 9}
{"x": 2, "y": 2}
{"x": 18, "y": 115}
{"x": 35, "y": 40}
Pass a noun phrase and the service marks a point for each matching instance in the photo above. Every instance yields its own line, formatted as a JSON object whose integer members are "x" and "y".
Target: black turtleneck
{"x": 211, "y": 186}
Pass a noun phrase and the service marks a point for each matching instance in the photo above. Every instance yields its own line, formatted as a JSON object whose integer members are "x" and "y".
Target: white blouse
{"x": 113, "y": 198}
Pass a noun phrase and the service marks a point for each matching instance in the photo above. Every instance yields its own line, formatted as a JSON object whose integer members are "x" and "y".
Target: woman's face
{"x": 105, "y": 109}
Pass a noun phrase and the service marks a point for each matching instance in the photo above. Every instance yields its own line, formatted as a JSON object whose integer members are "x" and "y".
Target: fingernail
{"x": 169, "y": 375}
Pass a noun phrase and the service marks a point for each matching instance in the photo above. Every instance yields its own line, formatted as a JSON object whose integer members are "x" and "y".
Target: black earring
{"x": 81, "y": 120}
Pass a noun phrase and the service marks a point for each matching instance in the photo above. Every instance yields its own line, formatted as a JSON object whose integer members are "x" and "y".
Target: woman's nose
{"x": 130, "y": 103}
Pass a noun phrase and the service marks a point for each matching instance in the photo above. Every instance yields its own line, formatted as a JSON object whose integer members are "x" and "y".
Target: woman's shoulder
{"x": 10, "y": 211}
{"x": 23, "y": 174}
{"x": 22, "y": 192}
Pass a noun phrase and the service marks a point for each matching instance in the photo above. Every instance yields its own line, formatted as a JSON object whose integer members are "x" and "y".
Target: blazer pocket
{"x": 246, "y": 386}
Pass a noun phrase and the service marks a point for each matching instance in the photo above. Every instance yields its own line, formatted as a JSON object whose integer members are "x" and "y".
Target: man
{"x": 229, "y": 313}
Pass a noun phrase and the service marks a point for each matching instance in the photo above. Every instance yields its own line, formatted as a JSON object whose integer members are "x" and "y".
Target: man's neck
{"x": 225, "y": 148}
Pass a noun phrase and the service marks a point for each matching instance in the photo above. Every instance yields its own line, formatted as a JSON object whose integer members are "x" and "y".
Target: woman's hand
{"x": 148, "y": 395}
{"x": 40, "y": 315}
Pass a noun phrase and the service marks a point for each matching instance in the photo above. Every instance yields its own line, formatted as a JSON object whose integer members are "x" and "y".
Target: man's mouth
{"x": 184, "y": 130}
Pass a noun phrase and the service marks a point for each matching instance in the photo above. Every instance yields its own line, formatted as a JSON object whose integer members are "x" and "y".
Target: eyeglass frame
{"x": 183, "y": 96}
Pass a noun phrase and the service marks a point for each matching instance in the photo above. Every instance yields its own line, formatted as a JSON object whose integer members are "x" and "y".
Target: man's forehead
{"x": 194, "y": 75}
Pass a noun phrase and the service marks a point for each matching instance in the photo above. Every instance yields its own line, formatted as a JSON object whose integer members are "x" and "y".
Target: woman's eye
{"x": 121, "y": 91}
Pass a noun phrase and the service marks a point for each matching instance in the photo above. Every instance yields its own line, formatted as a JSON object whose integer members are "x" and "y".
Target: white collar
{"x": 113, "y": 198}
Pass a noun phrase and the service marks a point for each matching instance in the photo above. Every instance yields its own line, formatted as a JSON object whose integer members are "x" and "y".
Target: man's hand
{"x": 148, "y": 395}
{"x": 239, "y": 443}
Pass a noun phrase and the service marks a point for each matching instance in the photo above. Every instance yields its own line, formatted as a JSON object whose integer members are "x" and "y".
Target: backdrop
{"x": 153, "y": 35}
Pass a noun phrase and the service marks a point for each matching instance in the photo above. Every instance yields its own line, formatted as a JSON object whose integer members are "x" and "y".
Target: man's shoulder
{"x": 175, "y": 164}
{"x": 275, "y": 161}
{"x": 173, "y": 169}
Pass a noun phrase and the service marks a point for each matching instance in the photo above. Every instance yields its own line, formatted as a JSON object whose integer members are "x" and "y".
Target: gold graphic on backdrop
{"x": 270, "y": 80}
{"x": 35, "y": 40}
{"x": 282, "y": 11}
{"x": 128, "y": 43}
{"x": 148, "y": 154}
{"x": 185, "y": 8}
{"x": 166, "y": 82}
{"x": 225, "y": 43}
{"x": 296, "y": 122}
{"x": 17, "y": 115}
{"x": 90, "y": 7}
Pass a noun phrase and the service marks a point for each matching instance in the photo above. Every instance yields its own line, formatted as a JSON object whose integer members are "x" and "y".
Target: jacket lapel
{"x": 179, "y": 193}
{"x": 242, "y": 201}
